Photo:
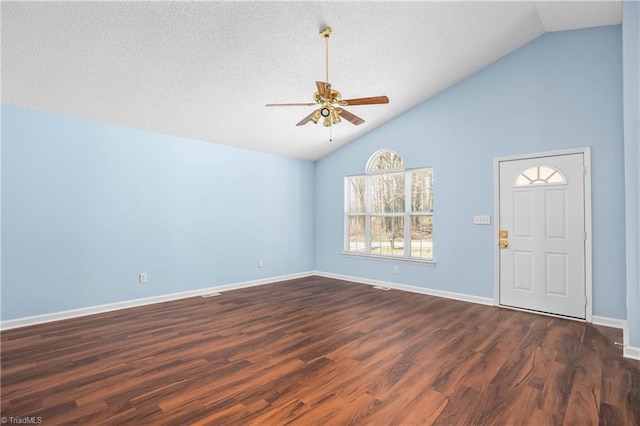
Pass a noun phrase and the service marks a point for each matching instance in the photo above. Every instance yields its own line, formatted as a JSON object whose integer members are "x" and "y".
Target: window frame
{"x": 368, "y": 213}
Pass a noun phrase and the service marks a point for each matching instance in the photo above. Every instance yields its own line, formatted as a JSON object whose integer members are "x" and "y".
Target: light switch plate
{"x": 482, "y": 220}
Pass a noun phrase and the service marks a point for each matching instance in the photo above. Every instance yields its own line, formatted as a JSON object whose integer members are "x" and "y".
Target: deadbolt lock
{"x": 504, "y": 234}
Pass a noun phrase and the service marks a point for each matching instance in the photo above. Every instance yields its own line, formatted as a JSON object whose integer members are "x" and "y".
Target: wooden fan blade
{"x": 324, "y": 89}
{"x": 354, "y": 119}
{"x": 301, "y": 104}
{"x": 306, "y": 119}
{"x": 366, "y": 101}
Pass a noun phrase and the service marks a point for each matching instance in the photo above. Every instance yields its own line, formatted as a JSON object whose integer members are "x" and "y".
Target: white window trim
{"x": 407, "y": 214}
{"x": 402, "y": 259}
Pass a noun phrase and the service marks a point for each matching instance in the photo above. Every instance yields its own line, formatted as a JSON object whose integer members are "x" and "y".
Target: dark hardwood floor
{"x": 318, "y": 351}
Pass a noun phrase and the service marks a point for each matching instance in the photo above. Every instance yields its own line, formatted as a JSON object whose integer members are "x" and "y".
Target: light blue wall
{"x": 562, "y": 90}
{"x": 1, "y": 238}
{"x": 87, "y": 206}
{"x": 631, "y": 71}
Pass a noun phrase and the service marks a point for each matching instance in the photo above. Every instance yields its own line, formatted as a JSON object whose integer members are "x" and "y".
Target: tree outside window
{"x": 389, "y": 210}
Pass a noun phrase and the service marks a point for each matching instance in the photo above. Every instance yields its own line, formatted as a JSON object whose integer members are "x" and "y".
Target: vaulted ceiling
{"x": 205, "y": 70}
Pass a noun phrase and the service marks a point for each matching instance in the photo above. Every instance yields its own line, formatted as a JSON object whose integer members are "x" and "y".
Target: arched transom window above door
{"x": 541, "y": 175}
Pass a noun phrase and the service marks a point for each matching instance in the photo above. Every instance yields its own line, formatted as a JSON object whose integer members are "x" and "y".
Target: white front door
{"x": 542, "y": 234}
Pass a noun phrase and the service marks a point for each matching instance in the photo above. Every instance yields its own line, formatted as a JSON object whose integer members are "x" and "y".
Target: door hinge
{"x": 585, "y": 235}
{"x": 584, "y": 170}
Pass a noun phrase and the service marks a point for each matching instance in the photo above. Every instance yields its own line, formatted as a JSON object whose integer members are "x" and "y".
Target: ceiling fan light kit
{"x": 330, "y": 100}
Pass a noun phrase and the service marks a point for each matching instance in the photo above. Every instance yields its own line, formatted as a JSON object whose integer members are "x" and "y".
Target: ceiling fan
{"x": 330, "y": 101}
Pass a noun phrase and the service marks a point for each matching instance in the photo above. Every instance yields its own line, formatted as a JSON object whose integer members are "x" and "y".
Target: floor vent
{"x": 209, "y": 295}
{"x": 379, "y": 287}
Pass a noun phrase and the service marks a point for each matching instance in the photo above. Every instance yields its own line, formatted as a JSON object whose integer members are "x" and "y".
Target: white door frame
{"x": 586, "y": 152}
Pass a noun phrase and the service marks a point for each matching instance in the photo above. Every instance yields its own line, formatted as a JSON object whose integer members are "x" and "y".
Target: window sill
{"x": 390, "y": 258}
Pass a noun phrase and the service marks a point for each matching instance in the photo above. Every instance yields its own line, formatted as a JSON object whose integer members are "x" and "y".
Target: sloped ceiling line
{"x": 204, "y": 70}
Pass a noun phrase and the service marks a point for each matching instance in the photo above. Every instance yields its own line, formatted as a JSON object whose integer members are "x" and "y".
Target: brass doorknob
{"x": 504, "y": 244}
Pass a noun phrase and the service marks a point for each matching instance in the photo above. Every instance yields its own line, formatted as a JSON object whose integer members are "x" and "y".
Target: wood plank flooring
{"x": 318, "y": 351}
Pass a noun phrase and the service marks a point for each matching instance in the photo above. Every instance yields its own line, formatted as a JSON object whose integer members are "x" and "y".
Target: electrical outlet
{"x": 396, "y": 269}
{"x": 260, "y": 263}
{"x": 142, "y": 278}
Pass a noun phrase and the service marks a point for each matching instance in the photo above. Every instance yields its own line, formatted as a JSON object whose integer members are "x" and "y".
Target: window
{"x": 389, "y": 210}
{"x": 540, "y": 175}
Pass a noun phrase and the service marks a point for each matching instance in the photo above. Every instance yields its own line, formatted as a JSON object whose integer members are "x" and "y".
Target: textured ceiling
{"x": 205, "y": 70}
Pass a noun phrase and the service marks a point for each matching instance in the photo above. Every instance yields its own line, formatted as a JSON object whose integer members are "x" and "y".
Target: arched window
{"x": 389, "y": 210}
{"x": 541, "y": 175}
{"x": 384, "y": 160}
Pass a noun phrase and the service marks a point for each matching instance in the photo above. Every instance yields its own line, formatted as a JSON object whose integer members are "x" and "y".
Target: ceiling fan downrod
{"x": 326, "y": 33}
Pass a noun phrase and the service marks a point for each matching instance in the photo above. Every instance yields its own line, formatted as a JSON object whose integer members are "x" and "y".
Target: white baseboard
{"x": 91, "y": 310}
{"x": 610, "y": 322}
{"x": 629, "y": 351}
{"x": 410, "y": 288}
{"x": 632, "y": 352}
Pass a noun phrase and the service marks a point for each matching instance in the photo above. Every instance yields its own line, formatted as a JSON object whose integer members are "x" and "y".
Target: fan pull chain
{"x": 331, "y": 133}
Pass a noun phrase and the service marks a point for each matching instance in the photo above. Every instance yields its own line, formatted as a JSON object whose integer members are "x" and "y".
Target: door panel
{"x": 557, "y": 279}
{"x": 523, "y": 221}
{"x": 523, "y": 270}
{"x": 556, "y": 214}
{"x": 542, "y": 208}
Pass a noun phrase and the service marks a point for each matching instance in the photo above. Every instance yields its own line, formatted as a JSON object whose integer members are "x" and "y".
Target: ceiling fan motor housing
{"x": 334, "y": 96}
